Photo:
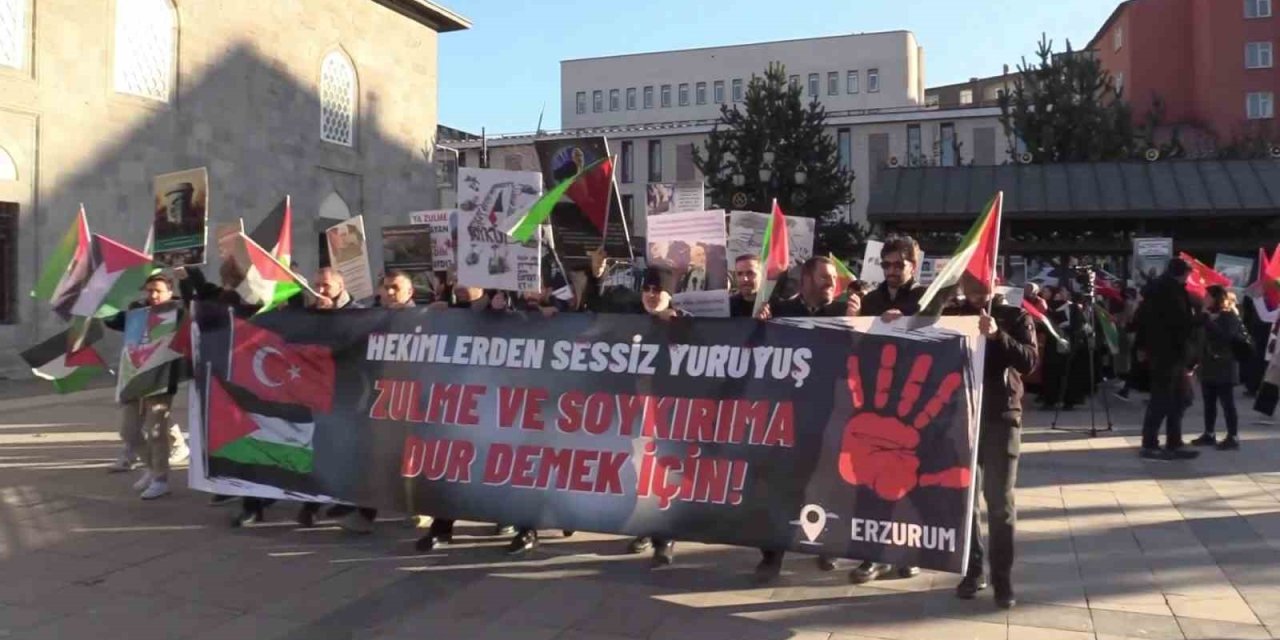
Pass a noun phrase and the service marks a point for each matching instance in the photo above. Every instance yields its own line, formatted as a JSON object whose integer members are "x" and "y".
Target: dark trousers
{"x": 998, "y": 448}
{"x": 1213, "y": 394}
{"x": 1168, "y": 402}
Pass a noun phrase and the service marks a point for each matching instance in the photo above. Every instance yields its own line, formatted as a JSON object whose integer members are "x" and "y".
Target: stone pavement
{"x": 1109, "y": 547}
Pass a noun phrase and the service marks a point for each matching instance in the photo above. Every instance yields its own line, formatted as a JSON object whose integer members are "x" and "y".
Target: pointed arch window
{"x": 338, "y": 91}
{"x": 13, "y": 33}
{"x": 146, "y": 45}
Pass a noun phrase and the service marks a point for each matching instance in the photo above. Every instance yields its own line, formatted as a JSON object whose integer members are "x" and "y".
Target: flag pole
{"x": 995, "y": 254}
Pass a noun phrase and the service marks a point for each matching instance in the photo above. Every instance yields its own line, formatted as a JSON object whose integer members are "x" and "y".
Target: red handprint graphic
{"x": 878, "y": 449}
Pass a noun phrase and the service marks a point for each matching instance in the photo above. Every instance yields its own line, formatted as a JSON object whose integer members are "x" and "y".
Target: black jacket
{"x": 1011, "y": 354}
{"x": 1166, "y": 324}
{"x": 878, "y": 301}
{"x": 796, "y": 308}
{"x": 740, "y": 307}
{"x": 196, "y": 288}
{"x": 1218, "y": 341}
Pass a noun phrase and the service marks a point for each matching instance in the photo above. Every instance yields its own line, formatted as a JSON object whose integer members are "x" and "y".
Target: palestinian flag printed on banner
{"x": 975, "y": 259}
{"x": 775, "y": 256}
{"x": 150, "y": 352}
{"x": 68, "y": 370}
{"x": 67, "y": 270}
{"x": 239, "y": 434}
{"x": 263, "y": 280}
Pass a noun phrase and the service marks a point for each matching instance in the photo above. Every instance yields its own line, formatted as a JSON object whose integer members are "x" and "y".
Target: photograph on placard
{"x": 690, "y": 250}
{"x": 444, "y": 236}
{"x": 349, "y": 254}
{"x": 1150, "y": 257}
{"x": 180, "y": 218}
{"x": 488, "y": 200}
{"x": 659, "y": 198}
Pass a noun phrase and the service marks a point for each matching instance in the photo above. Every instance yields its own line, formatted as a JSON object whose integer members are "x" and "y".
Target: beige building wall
{"x": 244, "y": 104}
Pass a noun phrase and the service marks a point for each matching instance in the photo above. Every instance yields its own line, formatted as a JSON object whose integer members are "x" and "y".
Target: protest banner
{"x": 1150, "y": 257}
{"x": 822, "y": 436}
{"x": 148, "y": 361}
{"x": 349, "y": 254}
{"x": 408, "y": 248}
{"x": 746, "y": 235}
{"x": 487, "y": 257}
{"x": 575, "y": 233}
{"x": 1236, "y": 268}
{"x": 689, "y": 248}
{"x": 444, "y": 236}
{"x": 179, "y": 226}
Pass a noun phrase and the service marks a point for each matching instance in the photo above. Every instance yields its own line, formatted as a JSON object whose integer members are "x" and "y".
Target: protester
{"x": 1222, "y": 338}
{"x": 899, "y": 291}
{"x": 746, "y": 279}
{"x": 1128, "y": 367}
{"x": 147, "y": 423}
{"x": 1166, "y": 332}
{"x": 1257, "y": 321}
{"x": 1010, "y": 354}
{"x": 817, "y": 298}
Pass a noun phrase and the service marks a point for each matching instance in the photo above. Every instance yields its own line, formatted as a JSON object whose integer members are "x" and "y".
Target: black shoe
{"x": 664, "y": 554}
{"x": 246, "y": 518}
{"x": 306, "y": 518}
{"x": 826, "y": 563}
{"x": 1181, "y": 453}
{"x": 503, "y": 530}
{"x": 1004, "y": 597}
{"x": 1229, "y": 443}
{"x": 1206, "y": 440}
{"x": 1155, "y": 453}
{"x": 221, "y": 500}
{"x": 868, "y": 571}
{"x": 970, "y": 586}
{"x": 770, "y": 567}
{"x": 523, "y": 542}
{"x": 431, "y": 542}
{"x": 567, "y": 534}
{"x": 908, "y": 572}
{"x": 640, "y": 545}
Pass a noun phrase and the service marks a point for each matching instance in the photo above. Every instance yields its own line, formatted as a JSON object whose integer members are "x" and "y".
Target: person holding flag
{"x": 1166, "y": 324}
{"x": 899, "y": 291}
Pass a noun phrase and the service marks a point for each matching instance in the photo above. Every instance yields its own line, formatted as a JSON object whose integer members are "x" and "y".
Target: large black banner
{"x": 853, "y": 441}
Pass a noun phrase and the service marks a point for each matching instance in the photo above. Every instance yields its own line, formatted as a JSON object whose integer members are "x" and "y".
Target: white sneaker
{"x": 143, "y": 482}
{"x": 122, "y": 464}
{"x": 156, "y": 489}
{"x": 180, "y": 456}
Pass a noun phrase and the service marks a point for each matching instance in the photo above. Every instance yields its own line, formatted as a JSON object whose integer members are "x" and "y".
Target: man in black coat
{"x": 1166, "y": 330}
{"x": 746, "y": 279}
{"x": 899, "y": 291}
{"x": 1010, "y": 354}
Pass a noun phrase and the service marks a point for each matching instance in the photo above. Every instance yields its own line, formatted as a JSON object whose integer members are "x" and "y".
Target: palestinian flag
{"x": 1107, "y": 323}
{"x": 976, "y": 258}
{"x": 521, "y": 228}
{"x": 264, "y": 364}
{"x": 775, "y": 256}
{"x": 68, "y": 370}
{"x": 276, "y": 231}
{"x": 1267, "y": 286}
{"x": 67, "y": 269}
{"x": 150, "y": 352}
{"x": 118, "y": 274}
{"x": 1202, "y": 277}
{"x": 242, "y": 435}
{"x": 844, "y": 275}
{"x": 1044, "y": 320}
{"x": 264, "y": 280}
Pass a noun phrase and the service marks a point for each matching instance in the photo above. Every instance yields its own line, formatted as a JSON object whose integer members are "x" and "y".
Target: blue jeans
{"x": 1214, "y": 393}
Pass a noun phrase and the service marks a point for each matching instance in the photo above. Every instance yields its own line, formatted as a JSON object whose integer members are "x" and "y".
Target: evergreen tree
{"x": 773, "y": 117}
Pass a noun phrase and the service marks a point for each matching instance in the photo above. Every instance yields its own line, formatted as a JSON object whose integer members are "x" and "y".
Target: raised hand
{"x": 880, "y": 442}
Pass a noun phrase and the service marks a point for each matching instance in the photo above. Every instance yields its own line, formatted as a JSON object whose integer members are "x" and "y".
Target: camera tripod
{"x": 1090, "y": 339}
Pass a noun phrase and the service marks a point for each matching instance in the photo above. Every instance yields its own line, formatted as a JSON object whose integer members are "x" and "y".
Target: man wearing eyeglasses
{"x": 899, "y": 292}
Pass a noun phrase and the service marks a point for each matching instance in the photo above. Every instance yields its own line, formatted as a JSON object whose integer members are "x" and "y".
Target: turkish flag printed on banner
{"x": 276, "y": 370}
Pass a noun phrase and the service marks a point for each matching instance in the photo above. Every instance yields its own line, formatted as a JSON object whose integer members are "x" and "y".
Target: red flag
{"x": 776, "y": 252}
{"x": 1202, "y": 276}
{"x": 275, "y": 370}
{"x": 592, "y": 193}
{"x": 227, "y": 421}
{"x": 1269, "y": 277}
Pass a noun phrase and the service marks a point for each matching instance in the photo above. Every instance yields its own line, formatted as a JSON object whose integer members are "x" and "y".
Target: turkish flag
{"x": 1202, "y": 277}
{"x": 273, "y": 369}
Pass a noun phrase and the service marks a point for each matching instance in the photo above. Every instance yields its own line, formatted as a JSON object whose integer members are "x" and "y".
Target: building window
{"x": 719, "y": 91}
{"x": 793, "y": 82}
{"x": 338, "y": 99}
{"x": 625, "y": 161}
{"x": 813, "y": 85}
{"x": 1260, "y": 105}
{"x": 615, "y": 99}
{"x": 737, "y": 89}
{"x": 873, "y": 81}
{"x": 648, "y": 97}
{"x": 582, "y": 102}
{"x": 8, "y": 262}
{"x": 1117, "y": 38}
{"x": 145, "y": 47}
{"x": 13, "y": 33}
{"x": 1119, "y": 82}
{"x": 631, "y": 99}
{"x": 966, "y": 96}
{"x": 913, "y": 145}
{"x": 833, "y": 83}
{"x": 1257, "y": 8}
{"x": 628, "y": 205}
{"x": 1257, "y": 55}
{"x": 666, "y": 96}
{"x": 851, "y": 82}
{"x": 684, "y": 94}
{"x": 947, "y": 140}
{"x": 700, "y": 93}
{"x": 597, "y": 101}
{"x": 844, "y": 147}
{"x": 655, "y": 161}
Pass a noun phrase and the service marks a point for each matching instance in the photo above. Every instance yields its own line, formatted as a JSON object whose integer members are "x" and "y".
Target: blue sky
{"x": 501, "y": 72}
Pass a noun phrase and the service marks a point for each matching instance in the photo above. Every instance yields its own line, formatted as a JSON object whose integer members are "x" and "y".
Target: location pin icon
{"x": 813, "y": 519}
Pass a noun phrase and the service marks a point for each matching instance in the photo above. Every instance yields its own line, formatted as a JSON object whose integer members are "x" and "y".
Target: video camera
{"x": 1084, "y": 280}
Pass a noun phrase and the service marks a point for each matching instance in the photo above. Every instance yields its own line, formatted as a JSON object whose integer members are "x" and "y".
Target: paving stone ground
{"x": 1109, "y": 546}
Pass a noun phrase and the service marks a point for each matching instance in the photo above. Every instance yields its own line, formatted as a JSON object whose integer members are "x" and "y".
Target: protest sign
{"x": 444, "y": 236}
{"x": 1150, "y": 257}
{"x": 575, "y": 233}
{"x": 487, "y": 257}
{"x": 689, "y": 248}
{"x": 349, "y": 254}
{"x": 816, "y": 435}
{"x": 408, "y": 248}
{"x": 180, "y": 218}
{"x": 673, "y": 197}
{"x": 1236, "y": 268}
{"x": 872, "y": 273}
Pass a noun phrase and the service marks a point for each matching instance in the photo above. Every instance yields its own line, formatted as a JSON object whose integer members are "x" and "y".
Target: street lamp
{"x": 801, "y": 175}
{"x": 739, "y": 179}
{"x": 766, "y": 166}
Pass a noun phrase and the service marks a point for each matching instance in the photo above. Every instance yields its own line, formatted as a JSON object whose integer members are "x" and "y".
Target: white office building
{"x": 655, "y": 107}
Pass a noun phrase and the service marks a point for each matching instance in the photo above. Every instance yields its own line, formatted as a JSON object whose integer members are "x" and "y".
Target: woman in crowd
{"x": 1222, "y": 339}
